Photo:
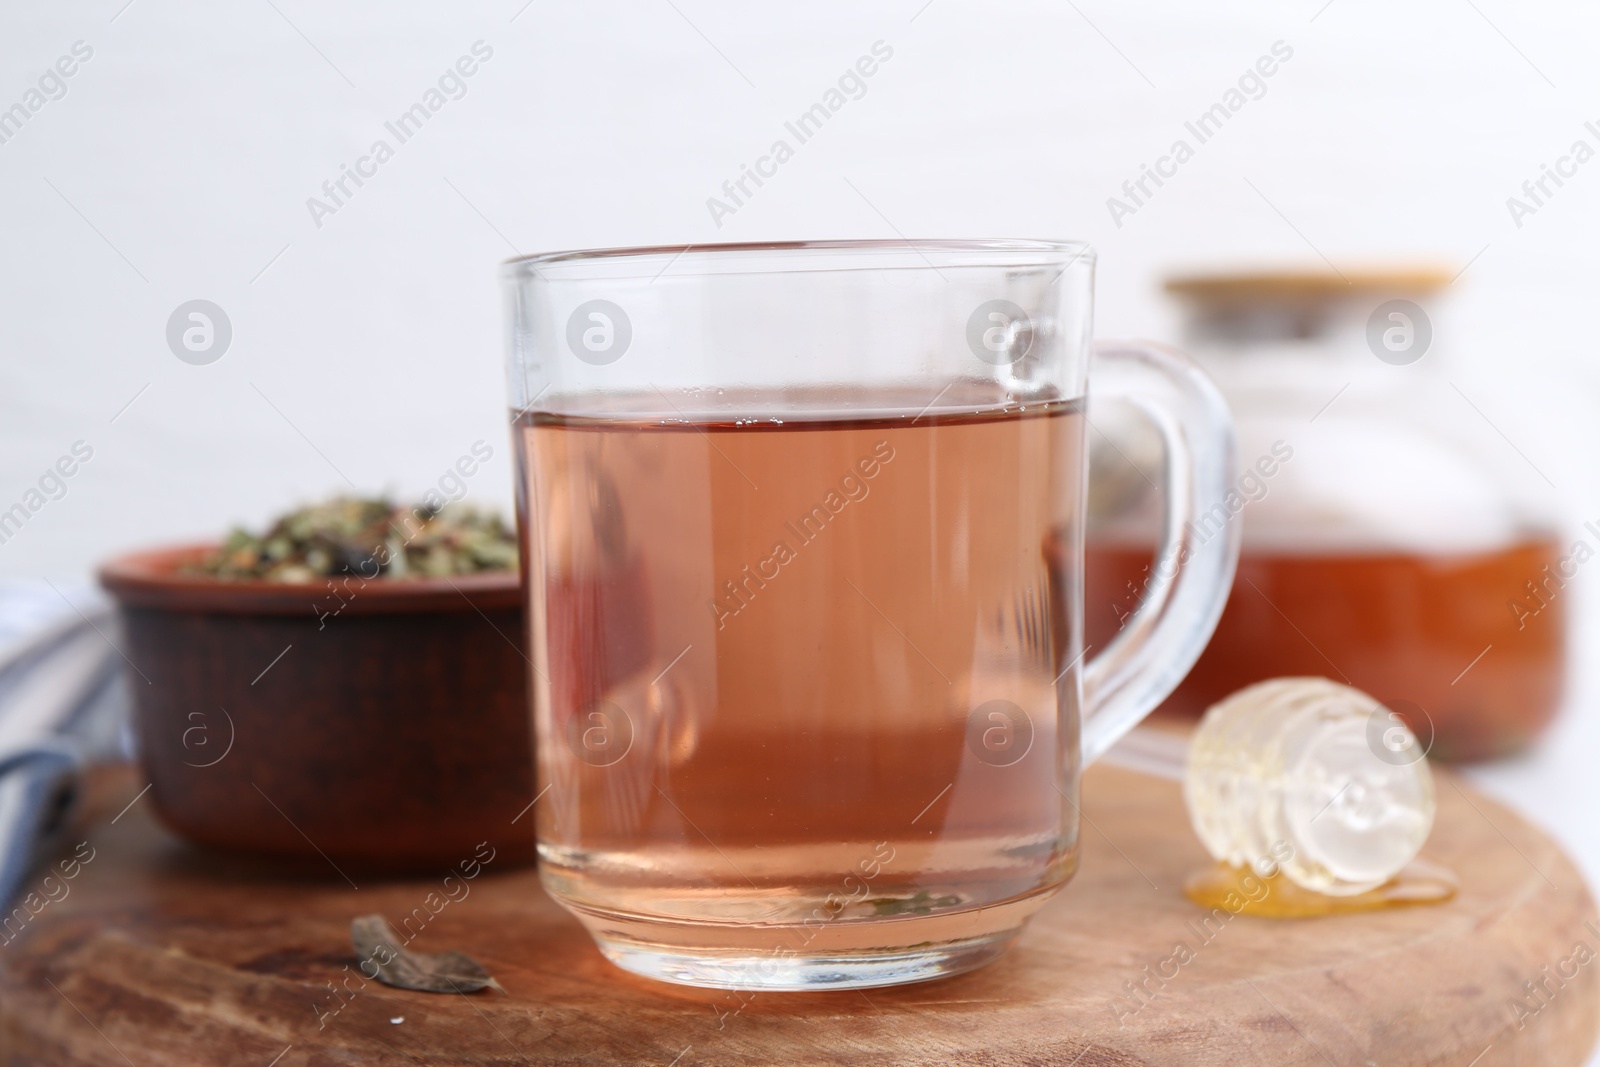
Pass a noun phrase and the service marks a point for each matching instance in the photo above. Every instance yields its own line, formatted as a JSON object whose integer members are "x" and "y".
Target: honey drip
{"x": 1241, "y": 891}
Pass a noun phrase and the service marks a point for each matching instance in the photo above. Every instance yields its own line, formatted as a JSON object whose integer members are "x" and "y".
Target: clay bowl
{"x": 377, "y": 724}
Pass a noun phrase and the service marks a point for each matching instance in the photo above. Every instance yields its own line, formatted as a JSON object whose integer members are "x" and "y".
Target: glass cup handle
{"x": 1193, "y": 568}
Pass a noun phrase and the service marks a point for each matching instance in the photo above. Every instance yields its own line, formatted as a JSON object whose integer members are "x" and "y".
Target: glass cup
{"x": 803, "y": 547}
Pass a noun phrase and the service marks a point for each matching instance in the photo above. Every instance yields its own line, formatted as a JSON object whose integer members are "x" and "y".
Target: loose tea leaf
{"x": 428, "y": 972}
{"x": 367, "y": 538}
{"x": 922, "y": 903}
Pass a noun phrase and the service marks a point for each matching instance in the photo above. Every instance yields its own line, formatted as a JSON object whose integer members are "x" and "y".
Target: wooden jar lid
{"x": 1306, "y": 285}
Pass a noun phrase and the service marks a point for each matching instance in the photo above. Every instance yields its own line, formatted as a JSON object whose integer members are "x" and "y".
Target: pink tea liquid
{"x": 796, "y": 675}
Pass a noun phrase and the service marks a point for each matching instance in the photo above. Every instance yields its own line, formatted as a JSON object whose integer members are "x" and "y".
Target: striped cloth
{"x": 63, "y": 705}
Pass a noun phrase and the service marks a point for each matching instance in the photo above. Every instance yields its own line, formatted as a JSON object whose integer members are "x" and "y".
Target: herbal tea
{"x": 1466, "y": 645}
{"x": 796, "y": 673}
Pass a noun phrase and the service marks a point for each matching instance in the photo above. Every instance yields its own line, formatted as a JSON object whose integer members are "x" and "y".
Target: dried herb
{"x": 921, "y": 903}
{"x": 428, "y": 972}
{"x": 367, "y": 538}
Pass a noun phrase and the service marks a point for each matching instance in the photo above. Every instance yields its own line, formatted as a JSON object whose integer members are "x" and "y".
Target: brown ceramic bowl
{"x": 381, "y": 724}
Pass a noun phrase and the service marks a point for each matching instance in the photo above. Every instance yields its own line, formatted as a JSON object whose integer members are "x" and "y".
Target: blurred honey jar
{"x": 1392, "y": 539}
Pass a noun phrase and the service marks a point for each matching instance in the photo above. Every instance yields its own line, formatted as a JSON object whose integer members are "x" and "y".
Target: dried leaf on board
{"x": 428, "y": 972}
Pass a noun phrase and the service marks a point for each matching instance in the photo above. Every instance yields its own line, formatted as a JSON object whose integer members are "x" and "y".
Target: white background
{"x": 179, "y": 163}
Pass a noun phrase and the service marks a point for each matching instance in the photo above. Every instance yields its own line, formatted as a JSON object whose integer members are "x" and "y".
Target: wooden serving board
{"x": 160, "y": 954}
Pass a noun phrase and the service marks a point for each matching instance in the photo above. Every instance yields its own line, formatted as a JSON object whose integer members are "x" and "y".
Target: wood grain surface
{"x": 161, "y": 954}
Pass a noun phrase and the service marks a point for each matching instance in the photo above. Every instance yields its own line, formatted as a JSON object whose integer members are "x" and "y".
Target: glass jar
{"x": 1393, "y": 541}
